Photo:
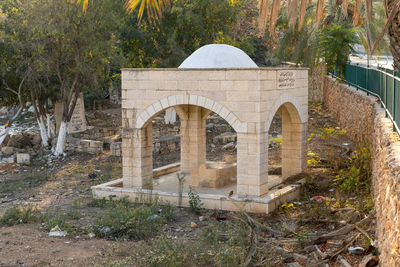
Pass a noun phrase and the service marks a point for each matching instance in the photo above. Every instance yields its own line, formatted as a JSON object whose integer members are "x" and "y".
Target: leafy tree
{"x": 14, "y": 73}
{"x": 67, "y": 50}
{"x": 185, "y": 26}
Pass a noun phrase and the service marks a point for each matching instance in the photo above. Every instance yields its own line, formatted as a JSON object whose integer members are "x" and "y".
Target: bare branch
{"x": 11, "y": 90}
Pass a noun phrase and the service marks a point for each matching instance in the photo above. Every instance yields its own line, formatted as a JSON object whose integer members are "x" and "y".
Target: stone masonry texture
{"x": 365, "y": 122}
{"x": 247, "y": 99}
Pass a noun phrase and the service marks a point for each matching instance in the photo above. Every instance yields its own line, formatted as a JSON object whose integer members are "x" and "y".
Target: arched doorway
{"x": 286, "y": 142}
{"x": 138, "y": 160}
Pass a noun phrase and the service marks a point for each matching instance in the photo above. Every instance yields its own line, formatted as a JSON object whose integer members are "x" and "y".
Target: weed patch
{"x": 219, "y": 244}
{"x": 357, "y": 176}
{"x": 123, "y": 219}
{"x": 19, "y": 215}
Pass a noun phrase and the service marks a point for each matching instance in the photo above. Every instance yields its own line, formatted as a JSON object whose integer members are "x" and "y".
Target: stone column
{"x": 252, "y": 164}
{"x": 193, "y": 138}
{"x": 294, "y": 139}
{"x": 137, "y": 148}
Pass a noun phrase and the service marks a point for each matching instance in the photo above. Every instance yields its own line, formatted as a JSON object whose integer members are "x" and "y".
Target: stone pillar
{"x": 193, "y": 137}
{"x": 252, "y": 164}
{"x": 294, "y": 139}
{"x": 137, "y": 158}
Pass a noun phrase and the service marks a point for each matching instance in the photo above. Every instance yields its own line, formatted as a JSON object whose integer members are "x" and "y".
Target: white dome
{"x": 218, "y": 56}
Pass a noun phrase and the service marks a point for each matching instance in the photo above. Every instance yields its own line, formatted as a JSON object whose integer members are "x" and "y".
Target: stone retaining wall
{"x": 365, "y": 122}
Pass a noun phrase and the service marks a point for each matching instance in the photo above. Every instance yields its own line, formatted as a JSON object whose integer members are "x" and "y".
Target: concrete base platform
{"x": 166, "y": 190}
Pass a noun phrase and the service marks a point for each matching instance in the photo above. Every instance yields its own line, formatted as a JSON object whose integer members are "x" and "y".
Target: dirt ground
{"x": 64, "y": 188}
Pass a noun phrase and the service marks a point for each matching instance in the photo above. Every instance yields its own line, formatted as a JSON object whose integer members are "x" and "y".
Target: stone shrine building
{"x": 224, "y": 80}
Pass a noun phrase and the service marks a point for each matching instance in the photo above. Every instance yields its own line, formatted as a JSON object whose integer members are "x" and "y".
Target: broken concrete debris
{"x": 56, "y": 232}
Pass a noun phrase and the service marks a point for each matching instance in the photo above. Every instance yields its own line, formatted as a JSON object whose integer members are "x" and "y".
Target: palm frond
{"x": 154, "y": 8}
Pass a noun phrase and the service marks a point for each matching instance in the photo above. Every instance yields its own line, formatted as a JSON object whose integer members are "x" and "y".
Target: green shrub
{"x": 333, "y": 156}
{"x": 16, "y": 215}
{"x": 123, "y": 219}
{"x": 52, "y": 219}
{"x": 357, "y": 177}
{"x": 219, "y": 244}
{"x": 195, "y": 203}
{"x": 98, "y": 203}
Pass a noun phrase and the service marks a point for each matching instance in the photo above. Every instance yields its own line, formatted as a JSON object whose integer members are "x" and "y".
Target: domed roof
{"x": 218, "y": 56}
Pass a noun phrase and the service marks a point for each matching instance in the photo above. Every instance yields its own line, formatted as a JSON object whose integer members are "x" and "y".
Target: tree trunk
{"x": 68, "y": 108}
{"x": 39, "y": 114}
{"x": 3, "y": 135}
{"x": 62, "y": 134}
{"x": 43, "y": 131}
{"x": 394, "y": 35}
{"x": 50, "y": 129}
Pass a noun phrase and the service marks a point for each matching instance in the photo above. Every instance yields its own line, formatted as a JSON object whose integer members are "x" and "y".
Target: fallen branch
{"x": 366, "y": 235}
{"x": 321, "y": 254}
{"x": 343, "y": 262}
{"x": 258, "y": 225}
{"x": 345, "y": 247}
{"x": 342, "y": 209}
{"x": 253, "y": 248}
{"x": 296, "y": 256}
{"x": 341, "y": 231}
{"x": 344, "y": 230}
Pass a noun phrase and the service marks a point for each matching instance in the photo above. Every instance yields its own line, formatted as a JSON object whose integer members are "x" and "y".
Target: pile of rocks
{"x": 9, "y": 154}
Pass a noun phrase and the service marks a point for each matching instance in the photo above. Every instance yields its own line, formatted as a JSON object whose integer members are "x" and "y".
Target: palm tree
{"x": 360, "y": 17}
{"x": 154, "y": 7}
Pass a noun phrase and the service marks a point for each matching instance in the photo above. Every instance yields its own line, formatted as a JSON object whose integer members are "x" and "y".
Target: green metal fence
{"x": 380, "y": 82}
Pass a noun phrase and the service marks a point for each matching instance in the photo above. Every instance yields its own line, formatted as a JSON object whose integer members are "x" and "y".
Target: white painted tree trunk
{"x": 49, "y": 132}
{"x": 43, "y": 132}
{"x": 3, "y": 135}
{"x": 62, "y": 134}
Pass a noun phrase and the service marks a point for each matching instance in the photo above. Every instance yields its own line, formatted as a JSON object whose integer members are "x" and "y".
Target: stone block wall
{"x": 82, "y": 145}
{"x": 97, "y": 133}
{"x": 115, "y": 149}
{"x": 365, "y": 122}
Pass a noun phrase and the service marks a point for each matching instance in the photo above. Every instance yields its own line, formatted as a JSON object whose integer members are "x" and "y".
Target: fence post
{"x": 394, "y": 102}
{"x": 356, "y": 68}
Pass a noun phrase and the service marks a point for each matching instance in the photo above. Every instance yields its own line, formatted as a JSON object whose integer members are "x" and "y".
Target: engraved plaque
{"x": 286, "y": 79}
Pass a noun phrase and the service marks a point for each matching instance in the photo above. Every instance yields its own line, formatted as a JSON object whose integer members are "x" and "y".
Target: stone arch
{"x": 195, "y": 100}
{"x": 294, "y": 109}
{"x": 294, "y": 124}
